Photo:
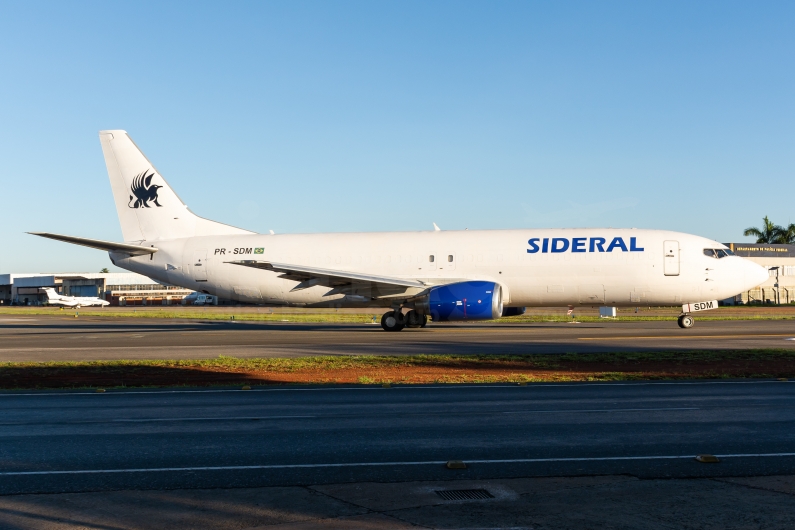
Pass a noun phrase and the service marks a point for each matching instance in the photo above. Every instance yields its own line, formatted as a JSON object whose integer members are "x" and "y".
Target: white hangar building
{"x": 125, "y": 288}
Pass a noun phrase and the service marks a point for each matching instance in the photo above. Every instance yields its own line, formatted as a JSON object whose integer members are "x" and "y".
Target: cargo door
{"x": 671, "y": 258}
{"x": 199, "y": 265}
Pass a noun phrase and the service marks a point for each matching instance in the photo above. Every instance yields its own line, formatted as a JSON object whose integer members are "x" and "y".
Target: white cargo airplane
{"x": 449, "y": 275}
{"x": 54, "y": 298}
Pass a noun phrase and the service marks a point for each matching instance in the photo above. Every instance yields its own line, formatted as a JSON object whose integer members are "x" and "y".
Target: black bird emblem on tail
{"x": 143, "y": 191}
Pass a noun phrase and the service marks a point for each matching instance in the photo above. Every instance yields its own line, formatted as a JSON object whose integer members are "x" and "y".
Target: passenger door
{"x": 671, "y": 258}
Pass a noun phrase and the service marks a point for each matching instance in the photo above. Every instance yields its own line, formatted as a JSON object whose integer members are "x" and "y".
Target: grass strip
{"x": 327, "y": 362}
{"x": 198, "y": 315}
{"x": 366, "y": 369}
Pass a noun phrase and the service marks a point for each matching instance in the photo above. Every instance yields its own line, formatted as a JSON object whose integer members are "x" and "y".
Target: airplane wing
{"x": 340, "y": 282}
{"x": 110, "y": 246}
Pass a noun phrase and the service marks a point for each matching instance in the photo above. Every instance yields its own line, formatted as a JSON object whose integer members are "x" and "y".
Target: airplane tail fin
{"x": 50, "y": 292}
{"x": 148, "y": 208}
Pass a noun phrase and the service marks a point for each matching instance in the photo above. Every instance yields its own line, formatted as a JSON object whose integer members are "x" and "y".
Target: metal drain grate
{"x": 464, "y": 495}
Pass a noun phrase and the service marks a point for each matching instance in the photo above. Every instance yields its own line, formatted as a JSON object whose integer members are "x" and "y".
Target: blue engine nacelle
{"x": 464, "y": 301}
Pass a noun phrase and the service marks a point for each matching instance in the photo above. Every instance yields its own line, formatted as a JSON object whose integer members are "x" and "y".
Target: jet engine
{"x": 513, "y": 311}
{"x": 473, "y": 300}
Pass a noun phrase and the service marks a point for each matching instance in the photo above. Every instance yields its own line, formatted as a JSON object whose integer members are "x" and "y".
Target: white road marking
{"x": 377, "y": 464}
{"x": 265, "y": 418}
{"x": 450, "y": 386}
{"x": 225, "y": 418}
{"x": 597, "y": 410}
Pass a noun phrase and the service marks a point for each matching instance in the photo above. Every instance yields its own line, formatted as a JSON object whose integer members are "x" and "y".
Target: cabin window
{"x": 450, "y": 258}
{"x": 431, "y": 258}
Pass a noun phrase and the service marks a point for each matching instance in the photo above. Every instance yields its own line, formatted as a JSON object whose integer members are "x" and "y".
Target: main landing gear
{"x": 393, "y": 321}
{"x": 396, "y": 320}
{"x": 685, "y": 321}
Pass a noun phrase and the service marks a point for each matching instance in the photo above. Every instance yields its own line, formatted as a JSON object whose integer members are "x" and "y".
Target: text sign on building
{"x": 760, "y": 250}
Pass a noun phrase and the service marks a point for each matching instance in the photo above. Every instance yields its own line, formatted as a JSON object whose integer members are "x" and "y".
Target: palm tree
{"x": 786, "y": 235}
{"x": 768, "y": 234}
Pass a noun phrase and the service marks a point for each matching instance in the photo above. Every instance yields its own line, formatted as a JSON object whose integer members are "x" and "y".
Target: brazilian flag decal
{"x": 259, "y": 251}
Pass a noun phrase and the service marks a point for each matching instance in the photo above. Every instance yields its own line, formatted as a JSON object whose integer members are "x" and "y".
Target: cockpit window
{"x": 718, "y": 252}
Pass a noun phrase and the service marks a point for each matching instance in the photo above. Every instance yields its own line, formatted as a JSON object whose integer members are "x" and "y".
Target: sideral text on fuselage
{"x": 557, "y": 245}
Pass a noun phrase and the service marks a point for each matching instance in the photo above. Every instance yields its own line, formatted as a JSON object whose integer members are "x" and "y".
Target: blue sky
{"x": 366, "y": 116}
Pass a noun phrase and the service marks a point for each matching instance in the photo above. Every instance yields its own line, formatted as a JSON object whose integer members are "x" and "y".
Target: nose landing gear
{"x": 685, "y": 321}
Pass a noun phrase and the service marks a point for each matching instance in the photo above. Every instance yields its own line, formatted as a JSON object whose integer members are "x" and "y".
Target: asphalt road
{"x": 62, "y": 441}
{"x": 52, "y": 338}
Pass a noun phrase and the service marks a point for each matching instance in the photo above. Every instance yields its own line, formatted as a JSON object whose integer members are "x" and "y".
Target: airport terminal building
{"x": 780, "y": 262}
{"x": 117, "y": 288}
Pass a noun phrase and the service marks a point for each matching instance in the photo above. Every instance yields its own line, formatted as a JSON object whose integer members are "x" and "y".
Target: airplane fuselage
{"x": 77, "y": 301}
{"x": 534, "y": 267}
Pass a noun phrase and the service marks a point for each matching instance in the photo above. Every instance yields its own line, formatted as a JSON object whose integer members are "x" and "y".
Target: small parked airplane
{"x": 449, "y": 275}
{"x": 54, "y": 298}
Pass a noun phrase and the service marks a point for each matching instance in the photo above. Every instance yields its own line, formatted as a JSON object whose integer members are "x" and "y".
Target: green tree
{"x": 769, "y": 233}
{"x": 104, "y": 270}
{"x": 786, "y": 235}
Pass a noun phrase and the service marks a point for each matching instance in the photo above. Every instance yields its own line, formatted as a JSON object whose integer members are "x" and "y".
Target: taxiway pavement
{"x": 65, "y": 338}
{"x": 167, "y": 439}
{"x": 584, "y": 503}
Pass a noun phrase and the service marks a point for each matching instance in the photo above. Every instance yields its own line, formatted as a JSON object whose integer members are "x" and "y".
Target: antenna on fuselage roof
{"x": 272, "y": 232}
{"x": 436, "y": 228}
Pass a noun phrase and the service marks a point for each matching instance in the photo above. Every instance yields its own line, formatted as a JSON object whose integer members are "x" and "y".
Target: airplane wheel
{"x": 415, "y": 319}
{"x": 686, "y": 321}
{"x": 391, "y": 322}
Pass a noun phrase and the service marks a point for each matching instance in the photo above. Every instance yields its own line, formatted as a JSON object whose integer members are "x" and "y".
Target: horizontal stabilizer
{"x": 311, "y": 276}
{"x": 110, "y": 246}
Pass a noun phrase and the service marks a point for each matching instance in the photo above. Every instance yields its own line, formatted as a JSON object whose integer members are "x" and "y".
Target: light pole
{"x": 778, "y": 298}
